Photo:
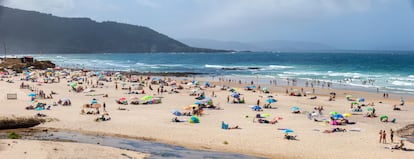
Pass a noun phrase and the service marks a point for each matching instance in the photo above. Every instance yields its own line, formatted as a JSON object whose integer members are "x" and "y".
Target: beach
{"x": 153, "y": 121}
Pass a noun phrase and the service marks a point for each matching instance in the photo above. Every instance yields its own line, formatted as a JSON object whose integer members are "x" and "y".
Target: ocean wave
{"x": 401, "y": 79}
{"x": 230, "y": 67}
{"x": 402, "y": 83}
{"x": 117, "y": 65}
{"x": 280, "y": 67}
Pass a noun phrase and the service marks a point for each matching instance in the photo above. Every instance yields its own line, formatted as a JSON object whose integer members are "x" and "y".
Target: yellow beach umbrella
{"x": 347, "y": 115}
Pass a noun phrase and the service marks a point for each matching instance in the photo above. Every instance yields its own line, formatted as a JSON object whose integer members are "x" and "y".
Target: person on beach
{"x": 384, "y": 137}
{"x": 380, "y": 136}
{"x": 392, "y": 135}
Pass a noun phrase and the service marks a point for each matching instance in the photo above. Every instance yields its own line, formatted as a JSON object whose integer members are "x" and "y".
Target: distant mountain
{"x": 275, "y": 45}
{"x": 33, "y": 32}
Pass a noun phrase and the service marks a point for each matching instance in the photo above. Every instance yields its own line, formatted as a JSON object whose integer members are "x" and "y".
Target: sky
{"x": 341, "y": 24}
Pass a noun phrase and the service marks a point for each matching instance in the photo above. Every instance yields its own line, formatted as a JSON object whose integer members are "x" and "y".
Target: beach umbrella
{"x": 199, "y": 102}
{"x": 94, "y": 101}
{"x": 256, "y": 107}
{"x": 294, "y": 108}
{"x": 122, "y": 98}
{"x": 235, "y": 95}
{"x": 348, "y": 96}
{"x": 337, "y": 116}
{"x": 189, "y": 107}
{"x": 96, "y": 105}
{"x": 147, "y": 97}
{"x": 361, "y": 99}
{"x": 287, "y": 131}
{"x": 194, "y": 119}
{"x": 31, "y": 94}
{"x": 333, "y": 113}
{"x": 369, "y": 109}
{"x": 355, "y": 103}
{"x": 176, "y": 112}
{"x": 270, "y": 100}
{"x": 73, "y": 84}
{"x": 264, "y": 115}
{"x": 383, "y": 117}
{"x": 347, "y": 115}
{"x": 265, "y": 89}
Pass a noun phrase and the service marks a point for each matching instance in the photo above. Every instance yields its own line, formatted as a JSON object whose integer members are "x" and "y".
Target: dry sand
{"x": 264, "y": 140}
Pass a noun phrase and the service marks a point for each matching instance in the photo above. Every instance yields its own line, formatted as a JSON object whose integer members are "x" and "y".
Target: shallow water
{"x": 156, "y": 150}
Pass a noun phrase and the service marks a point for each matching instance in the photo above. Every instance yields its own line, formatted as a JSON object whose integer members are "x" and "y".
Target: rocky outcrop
{"x": 17, "y": 65}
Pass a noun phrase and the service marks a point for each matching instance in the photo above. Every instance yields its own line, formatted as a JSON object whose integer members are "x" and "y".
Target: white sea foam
{"x": 280, "y": 67}
{"x": 402, "y": 83}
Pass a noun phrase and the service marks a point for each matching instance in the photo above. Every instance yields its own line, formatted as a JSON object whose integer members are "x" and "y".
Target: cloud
{"x": 41, "y": 5}
{"x": 148, "y": 3}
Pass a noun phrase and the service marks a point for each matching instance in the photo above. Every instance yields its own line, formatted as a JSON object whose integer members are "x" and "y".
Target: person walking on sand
{"x": 380, "y": 136}
{"x": 384, "y": 137}
{"x": 392, "y": 135}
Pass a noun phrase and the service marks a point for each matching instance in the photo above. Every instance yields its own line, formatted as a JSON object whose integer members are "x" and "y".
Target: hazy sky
{"x": 343, "y": 24}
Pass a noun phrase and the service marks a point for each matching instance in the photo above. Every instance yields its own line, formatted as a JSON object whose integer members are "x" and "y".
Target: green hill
{"x": 34, "y": 32}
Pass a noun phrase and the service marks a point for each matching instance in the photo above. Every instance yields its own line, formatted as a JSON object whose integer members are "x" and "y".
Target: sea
{"x": 389, "y": 71}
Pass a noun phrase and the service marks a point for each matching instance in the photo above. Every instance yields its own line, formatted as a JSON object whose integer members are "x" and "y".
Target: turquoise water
{"x": 392, "y": 72}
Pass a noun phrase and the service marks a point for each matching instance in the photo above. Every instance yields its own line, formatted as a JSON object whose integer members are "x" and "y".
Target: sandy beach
{"x": 153, "y": 121}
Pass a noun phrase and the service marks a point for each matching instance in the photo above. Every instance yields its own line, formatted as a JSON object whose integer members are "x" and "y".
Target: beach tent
{"x": 194, "y": 119}
{"x": 361, "y": 99}
{"x": 265, "y": 90}
{"x": 383, "y": 117}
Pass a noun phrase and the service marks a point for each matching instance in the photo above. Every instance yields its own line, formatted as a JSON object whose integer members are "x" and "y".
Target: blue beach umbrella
{"x": 287, "y": 131}
{"x": 235, "y": 95}
{"x": 176, "y": 112}
{"x": 31, "y": 94}
{"x": 337, "y": 116}
{"x": 256, "y": 107}
{"x": 270, "y": 100}
{"x": 94, "y": 101}
{"x": 294, "y": 108}
{"x": 361, "y": 99}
